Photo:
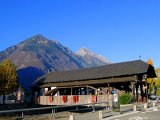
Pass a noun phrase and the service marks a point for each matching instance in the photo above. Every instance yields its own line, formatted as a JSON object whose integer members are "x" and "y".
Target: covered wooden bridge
{"x": 91, "y": 85}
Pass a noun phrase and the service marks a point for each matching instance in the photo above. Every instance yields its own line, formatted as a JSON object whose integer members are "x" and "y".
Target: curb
{"x": 130, "y": 113}
{"x": 126, "y": 105}
{"x": 117, "y": 116}
{"x": 156, "y": 107}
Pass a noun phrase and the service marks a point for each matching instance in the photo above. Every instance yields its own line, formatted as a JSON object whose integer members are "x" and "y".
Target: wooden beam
{"x": 96, "y": 89}
{"x": 90, "y": 82}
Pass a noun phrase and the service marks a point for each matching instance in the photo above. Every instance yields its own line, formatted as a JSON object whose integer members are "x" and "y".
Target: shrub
{"x": 125, "y": 98}
{"x": 158, "y": 91}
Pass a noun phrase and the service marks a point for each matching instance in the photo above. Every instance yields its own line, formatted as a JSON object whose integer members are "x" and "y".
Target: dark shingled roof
{"x": 108, "y": 71}
{"x": 89, "y": 82}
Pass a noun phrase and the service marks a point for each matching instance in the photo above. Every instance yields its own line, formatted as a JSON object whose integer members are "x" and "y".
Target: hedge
{"x": 126, "y": 98}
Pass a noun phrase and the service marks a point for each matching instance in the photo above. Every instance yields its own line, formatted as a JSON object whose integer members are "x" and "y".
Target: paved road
{"x": 153, "y": 114}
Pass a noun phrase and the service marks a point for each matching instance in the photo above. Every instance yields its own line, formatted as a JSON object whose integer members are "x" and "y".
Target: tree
{"x": 8, "y": 79}
{"x": 150, "y": 80}
{"x": 149, "y": 61}
{"x": 158, "y": 73}
{"x": 157, "y": 81}
{"x": 1, "y": 77}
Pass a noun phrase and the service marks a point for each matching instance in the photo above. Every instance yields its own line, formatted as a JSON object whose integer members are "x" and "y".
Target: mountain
{"x": 38, "y": 55}
{"x": 38, "y": 51}
{"x": 91, "y": 58}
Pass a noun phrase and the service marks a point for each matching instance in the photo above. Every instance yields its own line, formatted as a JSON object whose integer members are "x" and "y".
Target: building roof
{"x": 89, "y": 82}
{"x": 129, "y": 68}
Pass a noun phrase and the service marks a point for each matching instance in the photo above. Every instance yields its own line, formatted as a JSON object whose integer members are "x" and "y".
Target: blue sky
{"x": 121, "y": 30}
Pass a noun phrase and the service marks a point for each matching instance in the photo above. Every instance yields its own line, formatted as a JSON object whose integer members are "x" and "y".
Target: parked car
{"x": 152, "y": 97}
{"x": 158, "y": 97}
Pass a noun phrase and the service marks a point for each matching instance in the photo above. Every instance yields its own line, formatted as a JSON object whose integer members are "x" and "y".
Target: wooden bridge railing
{"x": 72, "y": 99}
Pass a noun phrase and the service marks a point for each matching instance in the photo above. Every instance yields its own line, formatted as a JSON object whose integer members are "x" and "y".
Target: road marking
{"x": 137, "y": 118}
{"x": 148, "y": 111}
{"x": 145, "y": 117}
{"x": 143, "y": 112}
{"x": 155, "y": 109}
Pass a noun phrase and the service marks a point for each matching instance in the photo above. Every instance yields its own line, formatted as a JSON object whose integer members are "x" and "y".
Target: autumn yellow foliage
{"x": 8, "y": 79}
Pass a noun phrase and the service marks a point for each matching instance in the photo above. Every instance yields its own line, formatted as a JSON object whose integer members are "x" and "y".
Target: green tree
{"x": 8, "y": 79}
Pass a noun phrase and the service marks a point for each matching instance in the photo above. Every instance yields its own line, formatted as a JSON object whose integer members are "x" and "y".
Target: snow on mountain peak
{"x": 86, "y": 52}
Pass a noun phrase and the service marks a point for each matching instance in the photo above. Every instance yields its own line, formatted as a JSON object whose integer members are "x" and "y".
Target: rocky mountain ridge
{"x": 38, "y": 55}
{"x": 91, "y": 58}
